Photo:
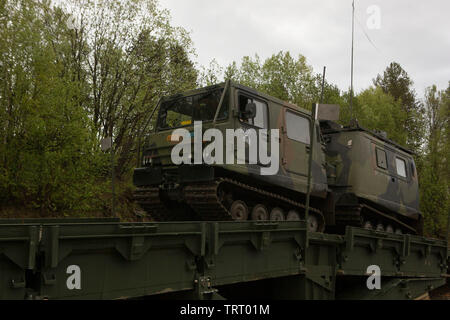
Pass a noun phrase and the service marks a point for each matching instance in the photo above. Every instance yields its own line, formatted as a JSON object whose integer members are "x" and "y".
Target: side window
{"x": 401, "y": 167}
{"x": 297, "y": 127}
{"x": 261, "y": 120}
{"x": 381, "y": 158}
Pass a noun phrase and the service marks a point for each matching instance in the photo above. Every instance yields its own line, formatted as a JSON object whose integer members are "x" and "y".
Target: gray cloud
{"x": 414, "y": 33}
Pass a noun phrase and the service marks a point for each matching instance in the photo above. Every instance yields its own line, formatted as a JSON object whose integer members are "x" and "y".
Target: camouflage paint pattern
{"x": 347, "y": 164}
{"x": 353, "y": 153}
{"x": 293, "y": 169}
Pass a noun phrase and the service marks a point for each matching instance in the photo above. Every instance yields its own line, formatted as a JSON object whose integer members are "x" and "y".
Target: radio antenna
{"x": 353, "y": 42}
{"x": 323, "y": 84}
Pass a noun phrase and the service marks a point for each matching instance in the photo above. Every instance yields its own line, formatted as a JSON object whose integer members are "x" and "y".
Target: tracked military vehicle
{"x": 344, "y": 186}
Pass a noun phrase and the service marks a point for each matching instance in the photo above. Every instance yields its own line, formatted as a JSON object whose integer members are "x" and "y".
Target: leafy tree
{"x": 396, "y": 82}
{"x": 434, "y": 170}
{"x": 231, "y": 71}
{"x": 50, "y": 162}
{"x": 71, "y": 75}
{"x": 377, "y": 110}
{"x": 128, "y": 66}
{"x": 211, "y": 74}
{"x": 281, "y": 76}
{"x": 250, "y": 72}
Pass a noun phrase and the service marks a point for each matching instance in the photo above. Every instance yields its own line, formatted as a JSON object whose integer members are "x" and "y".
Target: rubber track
{"x": 149, "y": 200}
{"x": 203, "y": 198}
{"x": 351, "y": 216}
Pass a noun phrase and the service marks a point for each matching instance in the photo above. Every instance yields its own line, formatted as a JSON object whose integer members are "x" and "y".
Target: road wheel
{"x": 260, "y": 213}
{"x": 380, "y": 227}
{"x": 312, "y": 223}
{"x": 293, "y": 216}
{"x": 277, "y": 214}
{"x": 389, "y": 229}
{"x": 239, "y": 211}
{"x": 368, "y": 225}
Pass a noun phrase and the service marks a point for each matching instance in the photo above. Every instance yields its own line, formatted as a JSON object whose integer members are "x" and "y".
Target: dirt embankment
{"x": 442, "y": 293}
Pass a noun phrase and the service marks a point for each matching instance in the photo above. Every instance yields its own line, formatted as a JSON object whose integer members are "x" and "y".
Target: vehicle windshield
{"x": 182, "y": 112}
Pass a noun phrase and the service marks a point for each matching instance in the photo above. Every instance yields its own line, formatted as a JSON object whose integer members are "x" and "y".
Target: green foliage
{"x": 127, "y": 66}
{"x": 281, "y": 75}
{"x": 376, "y": 110}
{"x": 434, "y": 191}
{"x": 210, "y": 76}
{"x": 49, "y": 160}
{"x": 396, "y": 82}
{"x": 71, "y": 76}
{"x": 434, "y": 169}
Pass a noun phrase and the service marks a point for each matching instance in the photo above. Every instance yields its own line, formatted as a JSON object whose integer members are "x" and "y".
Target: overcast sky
{"x": 412, "y": 32}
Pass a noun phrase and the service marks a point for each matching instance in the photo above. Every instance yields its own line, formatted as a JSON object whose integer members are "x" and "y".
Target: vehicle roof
{"x": 273, "y": 99}
{"x": 335, "y": 128}
{"x": 242, "y": 87}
